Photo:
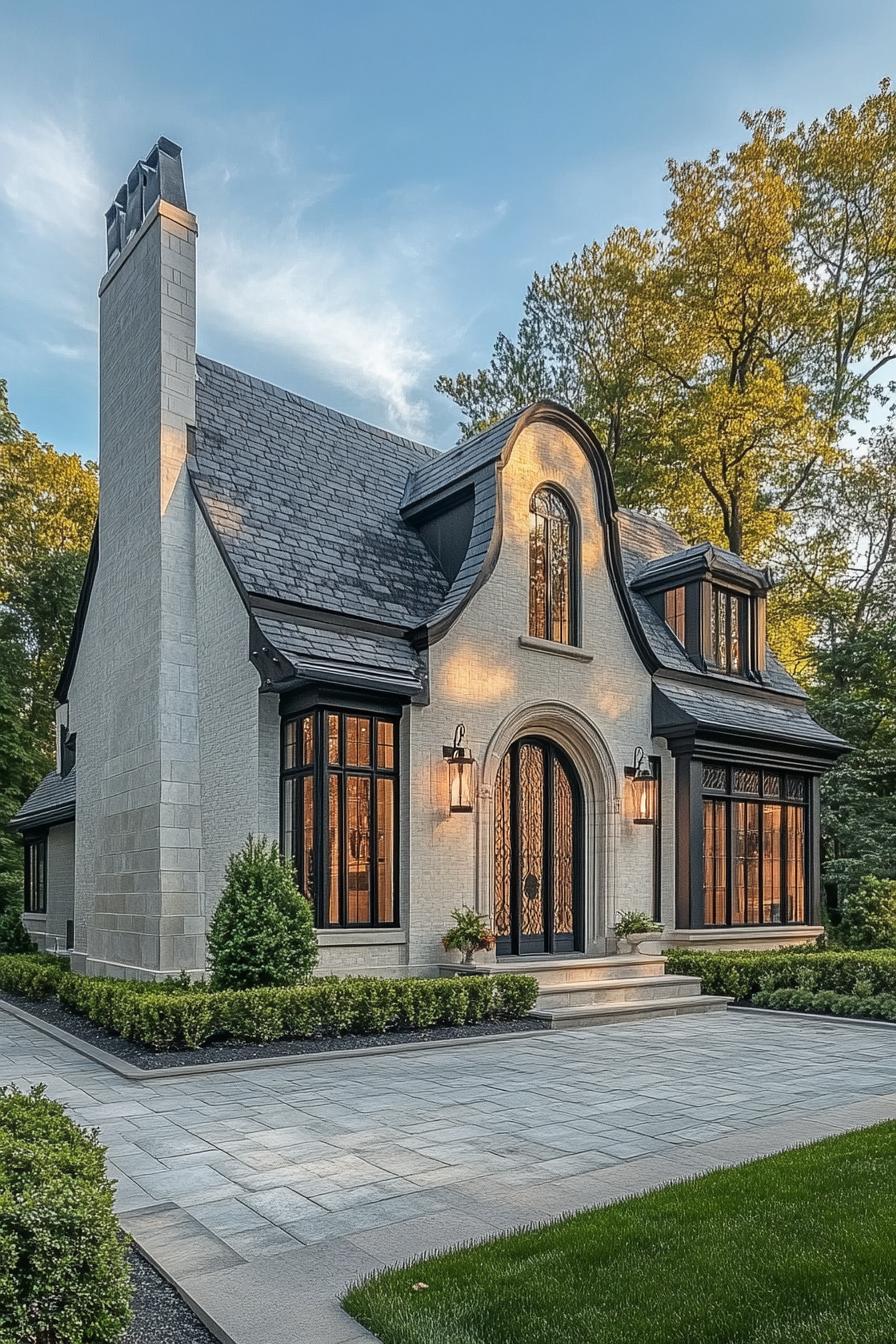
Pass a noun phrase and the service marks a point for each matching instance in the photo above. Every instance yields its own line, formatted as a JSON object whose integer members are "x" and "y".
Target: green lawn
{"x": 792, "y": 1249}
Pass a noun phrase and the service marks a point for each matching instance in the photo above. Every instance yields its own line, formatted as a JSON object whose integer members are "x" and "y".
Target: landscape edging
{"x": 791, "y": 1014}
{"x": 135, "y": 1074}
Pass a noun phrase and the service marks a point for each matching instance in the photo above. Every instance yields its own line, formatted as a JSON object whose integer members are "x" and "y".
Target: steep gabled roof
{"x": 53, "y": 801}
{"x": 306, "y": 502}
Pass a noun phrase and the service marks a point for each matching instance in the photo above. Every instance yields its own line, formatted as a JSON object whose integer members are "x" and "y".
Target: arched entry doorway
{"x": 538, "y": 897}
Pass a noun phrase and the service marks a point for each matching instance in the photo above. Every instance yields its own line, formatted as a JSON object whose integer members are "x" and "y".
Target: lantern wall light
{"x": 461, "y": 768}
{"x": 642, "y": 789}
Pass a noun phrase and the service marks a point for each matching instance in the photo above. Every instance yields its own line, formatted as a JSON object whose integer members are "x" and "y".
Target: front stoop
{"x": 583, "y": 991}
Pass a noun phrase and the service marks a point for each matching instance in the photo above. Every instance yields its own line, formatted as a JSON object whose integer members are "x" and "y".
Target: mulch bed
{"x": 222, "y": 1052}
{"x": 160, "y": 1315}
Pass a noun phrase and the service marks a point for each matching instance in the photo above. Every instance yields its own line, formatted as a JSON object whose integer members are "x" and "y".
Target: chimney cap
{"x": 160, "y": 176}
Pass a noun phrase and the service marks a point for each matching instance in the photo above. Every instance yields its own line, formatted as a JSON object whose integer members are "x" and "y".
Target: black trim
{"x": 549, "y": 942}
{"x": 77, "y": 631}
{"x": 656, "y": 765}
{"x": 35, "y": 860}
{"x": 553, "y": 413}
{"x": 690, "y": 797}
{"x": 321, "y": 771}
{"x": 573, "y": 566}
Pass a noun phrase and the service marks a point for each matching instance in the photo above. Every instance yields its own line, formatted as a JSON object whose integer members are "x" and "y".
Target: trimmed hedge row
{"x": 176, "y": 1016}
{"x": 797, "y": 977}
{"x": 63, "y": 1274}
{"x": 879, "y": 1006}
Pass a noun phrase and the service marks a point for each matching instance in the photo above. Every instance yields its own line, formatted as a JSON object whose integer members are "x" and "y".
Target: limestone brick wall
{"x": 597, "y": 706}
{"x": 239, "y": 773}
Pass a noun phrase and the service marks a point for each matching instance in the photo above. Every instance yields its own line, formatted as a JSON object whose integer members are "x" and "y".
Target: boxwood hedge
{"x": 850, "y": 984}
{"x": 63, "y": 1274}
{"x": 175, "y": 1015}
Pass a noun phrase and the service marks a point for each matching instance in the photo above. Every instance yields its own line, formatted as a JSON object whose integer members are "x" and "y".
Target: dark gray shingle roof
{"x": 306, "y": 501}
{"x": 644, "y": 541}
{"x": 680, "y": 704}
{"x": 315, "y": 652}
{"x": 52, "y": 800}
{"x": 460, "y": 462}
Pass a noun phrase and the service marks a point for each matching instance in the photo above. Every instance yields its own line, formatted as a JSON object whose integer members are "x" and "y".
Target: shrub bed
{"x": 847, "y": 984}
{"x": 63, "y": 1273}
{"x": 176, "y": 1015}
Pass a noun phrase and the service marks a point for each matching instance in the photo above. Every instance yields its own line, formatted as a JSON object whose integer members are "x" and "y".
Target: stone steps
{"x": 566, "y": 970}
{"x": 578, "y": 991}
{"x": 631, "y": 989}
{"x": 592, "y": 1014}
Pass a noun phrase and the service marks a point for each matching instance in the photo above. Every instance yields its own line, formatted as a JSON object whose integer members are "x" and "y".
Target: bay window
{"x": 340, "y": 814}
{"x": 755, "y": 834}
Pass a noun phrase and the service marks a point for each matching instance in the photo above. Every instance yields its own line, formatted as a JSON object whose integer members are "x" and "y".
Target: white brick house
{"x": 286, "y": 616}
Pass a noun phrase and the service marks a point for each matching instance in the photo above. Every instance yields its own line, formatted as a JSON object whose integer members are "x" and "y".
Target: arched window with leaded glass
{"x": 553, "y": 573}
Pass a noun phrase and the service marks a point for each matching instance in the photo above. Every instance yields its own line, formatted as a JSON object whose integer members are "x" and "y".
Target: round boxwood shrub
{"x": 63, "y": 1274}
{"x": 869, "y": 914}
{"x": 262, "y": 932}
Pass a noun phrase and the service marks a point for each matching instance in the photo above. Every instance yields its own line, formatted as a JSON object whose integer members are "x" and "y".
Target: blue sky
{"x": 375, "y": 182}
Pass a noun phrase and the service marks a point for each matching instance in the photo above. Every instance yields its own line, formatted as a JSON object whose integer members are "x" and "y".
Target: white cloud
{"x": 335, "y": 308}
{"x": 48, "y": 177}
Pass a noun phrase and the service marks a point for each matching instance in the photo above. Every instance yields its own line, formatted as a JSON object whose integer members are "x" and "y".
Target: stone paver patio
{"x": 263, "y": 1192}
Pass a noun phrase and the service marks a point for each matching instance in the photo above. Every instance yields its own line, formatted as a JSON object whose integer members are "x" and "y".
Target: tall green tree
{"x": 48, "y": 503}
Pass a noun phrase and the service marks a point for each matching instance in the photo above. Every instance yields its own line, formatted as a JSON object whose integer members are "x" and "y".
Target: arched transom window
{"x": 552, "y": 574}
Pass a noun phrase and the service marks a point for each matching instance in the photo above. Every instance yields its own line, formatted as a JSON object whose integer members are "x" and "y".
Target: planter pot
{"x": 634, "y": 940}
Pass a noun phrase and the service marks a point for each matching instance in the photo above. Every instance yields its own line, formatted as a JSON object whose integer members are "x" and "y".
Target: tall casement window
{"x": 552, "y": 568}
{"x": 340, "y": 814}
{"x": 728, "y": 630}
{"x": 36, "y": 876}
{"x": 755, "y": 833}
{"x": 673, "y": 610}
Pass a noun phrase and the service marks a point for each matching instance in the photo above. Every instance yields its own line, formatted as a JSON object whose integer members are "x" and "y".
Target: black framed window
{"x": 553, "y": 568}
{"x": 674, "y": 612}
{"x": 340, "y": 814}
{"x": 755, "y": 836}
{"x": 36, "y": 875}
{"x": 728, "y": 633}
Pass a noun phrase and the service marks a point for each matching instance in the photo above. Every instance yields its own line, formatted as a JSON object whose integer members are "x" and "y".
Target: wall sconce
{"x": 460, "y": 773}
{"x": 642, "y": 787}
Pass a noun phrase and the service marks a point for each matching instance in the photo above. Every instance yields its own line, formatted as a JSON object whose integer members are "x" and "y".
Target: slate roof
{"x": 314, "y": 508}
{"x": 52, "y": 801}
{"x": 460, "y": 462}
{"x": 691, "y": 705}
{"x": 644, "y": 540}
{"x": 306, "y": 501}
{"x": 315, "y": 653}
{"x": 715, "y": 556}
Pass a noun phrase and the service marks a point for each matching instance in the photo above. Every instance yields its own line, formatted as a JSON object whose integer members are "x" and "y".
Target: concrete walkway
{"x": 262, "y": 1193}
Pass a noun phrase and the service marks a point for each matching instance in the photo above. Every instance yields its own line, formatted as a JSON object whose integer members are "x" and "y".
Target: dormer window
{"x": 673, "y": 606}
{"x": 714, "y": 605}
{"x": 552, "y": 568}
{"x": 727, "y": 631}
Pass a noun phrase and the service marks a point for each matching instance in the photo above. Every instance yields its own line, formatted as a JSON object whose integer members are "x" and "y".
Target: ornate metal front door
{"x": 538, "y": 851}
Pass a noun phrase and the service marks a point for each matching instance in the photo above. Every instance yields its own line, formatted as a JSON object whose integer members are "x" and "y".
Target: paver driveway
{"x": 262, "y": 1192}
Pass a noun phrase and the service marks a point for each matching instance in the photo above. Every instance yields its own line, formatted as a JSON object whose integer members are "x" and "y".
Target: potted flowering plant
{"x": 634, "y": 928}
{"x": 468, "y": 934}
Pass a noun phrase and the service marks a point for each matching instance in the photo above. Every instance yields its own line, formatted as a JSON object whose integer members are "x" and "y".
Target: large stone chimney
{"x": 139, "y": 894}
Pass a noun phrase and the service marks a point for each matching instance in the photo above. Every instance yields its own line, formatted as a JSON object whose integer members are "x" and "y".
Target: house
{"x": 437, "y": 679}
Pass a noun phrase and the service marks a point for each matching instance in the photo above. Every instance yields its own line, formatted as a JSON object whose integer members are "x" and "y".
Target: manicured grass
{"x": 793, "y": 1249}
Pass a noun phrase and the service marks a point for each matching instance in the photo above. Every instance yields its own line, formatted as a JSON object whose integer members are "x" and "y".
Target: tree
{"x": 581, "y": 342}
{"x": 48, "y": 503}
{"x": 684, "y": 351}
{"x": 262, "y": 931}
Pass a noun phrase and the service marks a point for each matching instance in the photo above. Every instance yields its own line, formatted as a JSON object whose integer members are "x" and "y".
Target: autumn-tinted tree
{"x": 48, "y": 503}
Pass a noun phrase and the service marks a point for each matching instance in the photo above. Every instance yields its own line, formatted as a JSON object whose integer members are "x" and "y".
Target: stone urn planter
{"x": 634, "y": 940}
